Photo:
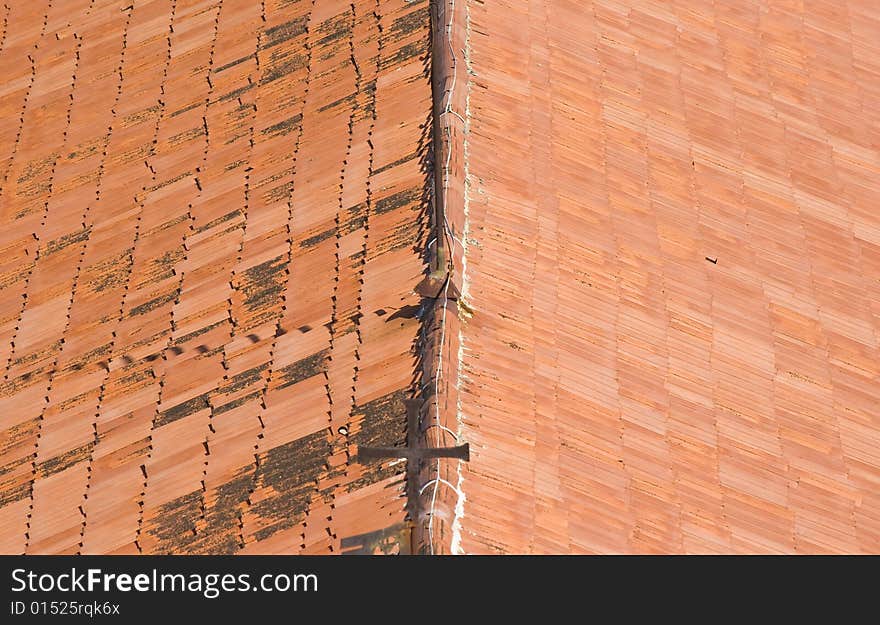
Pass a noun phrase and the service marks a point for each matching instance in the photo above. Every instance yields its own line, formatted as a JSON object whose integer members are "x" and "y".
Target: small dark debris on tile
{"x": 202, "y": 349}
{"x": 253, "y": 338}
{"x": 305, "y": 329}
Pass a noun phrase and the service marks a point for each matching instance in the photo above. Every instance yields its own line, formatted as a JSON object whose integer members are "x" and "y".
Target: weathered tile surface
{"x": 203, "y": 205}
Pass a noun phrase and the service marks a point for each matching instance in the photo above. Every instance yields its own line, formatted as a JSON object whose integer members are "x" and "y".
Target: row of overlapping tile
{"x": 673, "y": 263}
{"x": 212, "y": 221}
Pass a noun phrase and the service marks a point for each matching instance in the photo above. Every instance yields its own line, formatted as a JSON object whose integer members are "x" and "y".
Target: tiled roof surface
{"x": 212, "y": 221}
{"x": 662, "y": 215}
{"x": 673, "y": 265}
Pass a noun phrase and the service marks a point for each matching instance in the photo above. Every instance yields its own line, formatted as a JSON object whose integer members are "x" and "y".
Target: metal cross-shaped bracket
{"x": 413, "y": 451}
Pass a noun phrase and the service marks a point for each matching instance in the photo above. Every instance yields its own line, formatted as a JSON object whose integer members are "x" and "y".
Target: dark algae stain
{"x": 404, "y": 54}
{"x": 283, "y": 127}
{"x": 169, "y": 182}
{"x": 321, "y": 236}
{"x": 290, "y": 472}
{"x": 235, "y": 403}
{"x": 221, "y": 533}
{"x": 355, "y": 218}
{"x": 231, "y": 95}
{"x": 163, "y": 266}
{"x": 89, "y": 357}
{"x": 14, "y": 488}
{"x": 159, "y": 268}
{"x": 139, "y": 117}
{"x": 174, "y": 525}
{"x": 279, "y": 193}
{"x": 186, "y": 135}
{"x": 188, "y": 107}
{"x": 349, "y": 99}
{"x": 410, "y": 23}
{"x": 304, "y": 369}
{"x": 401, "y": 236}
{"x": 394, "y": 164}
{"x": 108, "y": 273}
{"x": 168, "y": 224}
{"x": 272, "y": 178}
{"x": 287, "y": 473}
{"x": 64, "y": 461}
{"x": 34, "y": 180}
{"x": 86, "y": 149}
{"x": 38, "y": 354}
{"x": 181, "y": 410}
{"x": 219, "y": 220}
{"x": 17, "y": 434}
{"x": 278, "y": 34}
{"x": 244, "y": 379}
{"x": 146, "y": 307}
{"x": 232, "y": 63}
{"x": 179, "y": 531}
{"x": 398, "y": 200}
{"x": 136, "y": 379}
{"x": 18, "y": 485}
{"x": 384, "y": 421}
{"x": 12, "y": 465}
{"x": 286, "y": 477}
{"x": 263, "y": 283}
{"x": 334, "y": 29}
{"x": 68, "y": 239}
{"x": 197, "y": 333}
{"x": 282, "y": 65}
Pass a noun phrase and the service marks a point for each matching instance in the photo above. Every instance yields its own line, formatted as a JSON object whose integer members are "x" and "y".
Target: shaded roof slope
{"x": 211, "y": 212}
{"x": 673, "y": 265}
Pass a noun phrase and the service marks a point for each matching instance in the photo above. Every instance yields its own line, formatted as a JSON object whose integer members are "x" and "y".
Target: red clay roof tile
{"x": 659, "y": 216}
{"x": 195, "y": 229}
{"x": 669, "y": 338}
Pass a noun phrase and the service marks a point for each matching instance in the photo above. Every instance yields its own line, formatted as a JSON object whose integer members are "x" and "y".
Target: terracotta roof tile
{"x": 659, "y": 215}
{"x": 193, "y": 247}
{"x": 669, "y": 338}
